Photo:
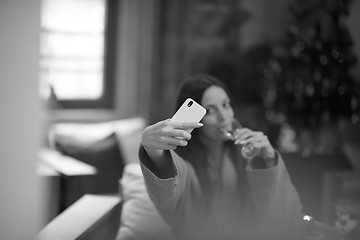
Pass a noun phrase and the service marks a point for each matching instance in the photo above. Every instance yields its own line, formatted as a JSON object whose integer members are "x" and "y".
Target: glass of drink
{"x": 247, "y": 151}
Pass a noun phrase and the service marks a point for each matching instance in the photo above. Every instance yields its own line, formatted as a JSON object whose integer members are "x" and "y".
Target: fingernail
{"x": 200, "y": 124}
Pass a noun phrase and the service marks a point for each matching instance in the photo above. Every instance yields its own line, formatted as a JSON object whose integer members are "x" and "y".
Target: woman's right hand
{"x": 166, "y": 135}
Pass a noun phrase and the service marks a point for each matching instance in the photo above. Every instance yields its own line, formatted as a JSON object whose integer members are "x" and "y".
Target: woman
{"x": 203, "y": 187}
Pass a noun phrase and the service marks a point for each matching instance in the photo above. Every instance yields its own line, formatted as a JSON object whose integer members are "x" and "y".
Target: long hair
{"x": 195, "y": 153}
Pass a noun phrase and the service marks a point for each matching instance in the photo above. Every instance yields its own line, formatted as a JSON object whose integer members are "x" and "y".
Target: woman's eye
{"x": 209, "y": 111}
{"x": 227, "y": 105}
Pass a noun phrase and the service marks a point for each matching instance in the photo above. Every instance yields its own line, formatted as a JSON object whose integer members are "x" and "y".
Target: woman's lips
{"x": 225, "y": 131}
{"x": 225, "y": 128}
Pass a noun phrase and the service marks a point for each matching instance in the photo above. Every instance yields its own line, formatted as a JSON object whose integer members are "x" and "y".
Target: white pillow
{"x": 139, "y": 218}
{"x": 91, "y": 132}
{"x": 129, "y": 140}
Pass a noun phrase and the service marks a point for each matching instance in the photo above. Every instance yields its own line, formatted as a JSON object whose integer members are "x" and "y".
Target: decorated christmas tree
{"x": 312, "y": 78}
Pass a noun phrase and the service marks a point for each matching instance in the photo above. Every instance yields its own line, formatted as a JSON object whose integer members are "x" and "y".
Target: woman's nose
{"x": 221, "y": 115}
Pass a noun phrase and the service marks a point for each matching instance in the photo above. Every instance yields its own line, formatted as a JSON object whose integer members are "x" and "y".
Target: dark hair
{"x": 194, "y": 87}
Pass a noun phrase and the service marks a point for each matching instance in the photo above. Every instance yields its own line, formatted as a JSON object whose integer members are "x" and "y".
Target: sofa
{"x": 112, "y": 148}
{"x": 107, "y": 146}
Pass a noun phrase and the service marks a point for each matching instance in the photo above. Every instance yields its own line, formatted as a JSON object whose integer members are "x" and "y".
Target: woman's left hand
{"x": 255, "y": 139}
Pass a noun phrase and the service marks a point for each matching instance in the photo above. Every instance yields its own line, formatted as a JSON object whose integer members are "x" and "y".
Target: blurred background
{"x": 291, "y": 65}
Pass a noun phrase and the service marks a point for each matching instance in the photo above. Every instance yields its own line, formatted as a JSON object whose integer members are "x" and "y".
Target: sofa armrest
{"x": 65, "y": 165}
{"x": 91, "y": 217}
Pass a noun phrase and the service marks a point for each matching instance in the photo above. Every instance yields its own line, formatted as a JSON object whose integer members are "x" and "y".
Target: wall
{"x": 135, "y": 57}
{"x": 20, "y": 118}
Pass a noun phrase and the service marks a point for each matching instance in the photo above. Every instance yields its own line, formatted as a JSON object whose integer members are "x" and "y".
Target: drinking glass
{"x": 247, "y": 151}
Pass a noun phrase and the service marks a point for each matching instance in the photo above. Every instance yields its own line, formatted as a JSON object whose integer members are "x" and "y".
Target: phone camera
{"x": 190, "y": 103}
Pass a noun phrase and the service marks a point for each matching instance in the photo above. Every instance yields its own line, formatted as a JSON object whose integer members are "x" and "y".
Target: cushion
{"x": 104, "y": 154}
{"x": 89, "y": 132}
{"x": 129, "y": 143}
{"x": 127, "y": 130}
{"x": 139, "y": 217}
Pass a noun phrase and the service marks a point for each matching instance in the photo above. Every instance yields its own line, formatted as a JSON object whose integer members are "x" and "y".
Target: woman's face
{"x": 219, "y": 113}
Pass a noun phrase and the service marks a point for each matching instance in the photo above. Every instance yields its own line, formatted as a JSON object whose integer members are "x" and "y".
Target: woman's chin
{"x": 223, "y": 138}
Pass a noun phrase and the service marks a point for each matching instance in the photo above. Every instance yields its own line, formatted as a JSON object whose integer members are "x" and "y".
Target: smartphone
{"x": 189, "y": 111}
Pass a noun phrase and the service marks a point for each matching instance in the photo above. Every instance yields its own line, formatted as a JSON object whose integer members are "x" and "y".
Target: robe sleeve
{"x": 166, "y": 194}
{"x": 276, "y": 202}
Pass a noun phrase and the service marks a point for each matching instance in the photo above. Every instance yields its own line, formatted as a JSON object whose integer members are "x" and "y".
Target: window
{"x": 73, "y": 53}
